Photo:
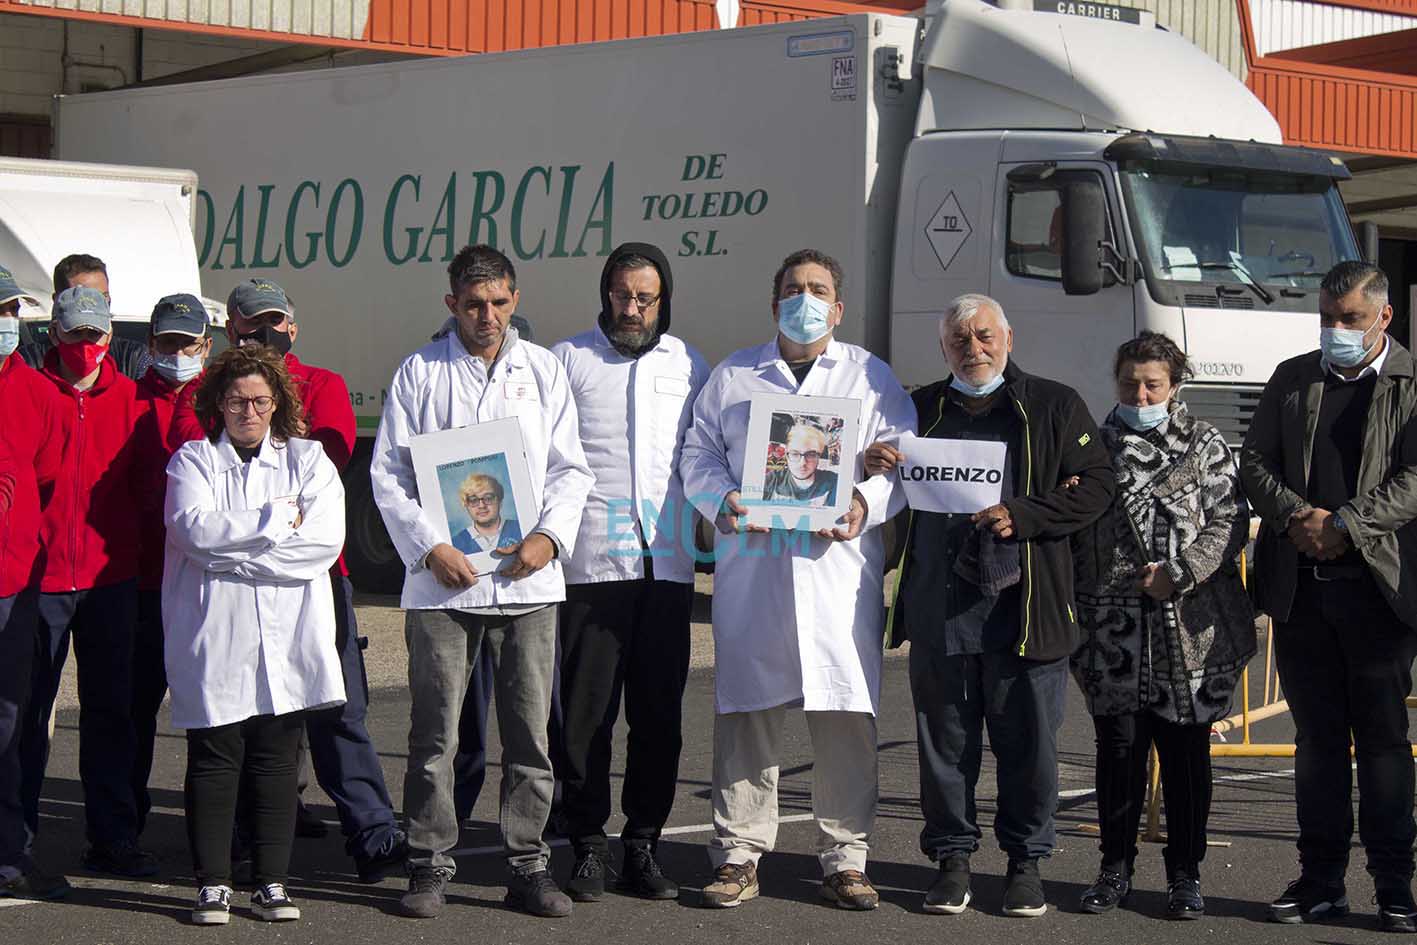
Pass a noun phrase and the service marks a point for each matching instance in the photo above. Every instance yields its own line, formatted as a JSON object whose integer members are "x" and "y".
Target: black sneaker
{"x": 1023, "y": 890}
{"x": 1309, "y": 900}
{"x": 950, "y": 894}
{"x": 1396, "y": 911}
{"x": 389, "y": 859}
{"x": 213, "y": 906}
{"x": 427, "y": 892}
{"x": 641, "y": 875}
{"x": 588, "y": 878}
{"x": 271, "y": 903}
{"x": 34, "y": 883}
{"x": 120, "y": 859}
{"x": 536, "y": 893}
{"x": 1107, "y": 892}
{"x": 1183, "y": 898}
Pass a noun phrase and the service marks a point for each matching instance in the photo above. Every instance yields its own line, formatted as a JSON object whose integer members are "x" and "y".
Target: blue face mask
{"x": 1343, "y": 347}
{"x": 178, "y": 368}
{"x": 803, "y": 318}
{"x": 9, "y": 336}
{"x": 1145, "y": 418}
{"x": 983, "y": 390}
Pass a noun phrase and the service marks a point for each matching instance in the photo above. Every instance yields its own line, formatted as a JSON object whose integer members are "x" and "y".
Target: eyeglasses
{"x": 797, "y": 457}
{"x": 236, "y": 406}
{"x": 645, "y": 302}
{"x": 487, "y": 498}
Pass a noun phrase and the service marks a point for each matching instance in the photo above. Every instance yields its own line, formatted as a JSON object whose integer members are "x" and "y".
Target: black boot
{"x": 641, "y": 875}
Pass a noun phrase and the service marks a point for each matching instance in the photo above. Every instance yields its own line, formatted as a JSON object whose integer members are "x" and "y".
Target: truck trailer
{"x": 1097, "y": 174}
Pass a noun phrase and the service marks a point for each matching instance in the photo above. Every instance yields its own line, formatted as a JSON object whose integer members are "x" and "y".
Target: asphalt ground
{"x": 1251, "y": 859}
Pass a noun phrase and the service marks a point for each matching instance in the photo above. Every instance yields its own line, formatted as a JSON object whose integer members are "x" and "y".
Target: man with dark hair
{"x": 131, "y": 358}
{"x": 88, "y": 595}
{"x": 629, "y": 585}
{"x": 29, "y": 443}
{"x": 1330, "y": 465}
{"x": 478, "y": 372}
{"x": 798, "y": 625}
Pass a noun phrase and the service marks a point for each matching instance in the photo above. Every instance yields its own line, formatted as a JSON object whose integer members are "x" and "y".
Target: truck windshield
{"x": 1222, "y": 226}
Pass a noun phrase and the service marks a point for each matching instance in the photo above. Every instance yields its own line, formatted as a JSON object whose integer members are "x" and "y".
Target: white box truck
{"x": 1097, "y": 174}
{"x": 138, "y": 220}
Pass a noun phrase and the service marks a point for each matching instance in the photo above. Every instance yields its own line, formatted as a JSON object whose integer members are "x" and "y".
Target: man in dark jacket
{"x": 986, "y": 601}
{"x": 1330, "y": 465}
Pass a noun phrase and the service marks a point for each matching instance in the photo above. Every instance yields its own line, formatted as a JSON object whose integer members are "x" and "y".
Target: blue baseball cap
{"x": 257, "y": 297}
{"x": 10, "y": 289}
{"x": 81, "y": 307}
{"x": 180, "y": 314}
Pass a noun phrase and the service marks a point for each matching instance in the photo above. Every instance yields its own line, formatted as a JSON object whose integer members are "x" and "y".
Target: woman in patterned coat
{"x": 1167, "y": 627}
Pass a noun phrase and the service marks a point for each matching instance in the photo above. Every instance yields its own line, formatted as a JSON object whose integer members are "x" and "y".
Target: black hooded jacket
{"x": 666, "y": 280}
{"x": 1061, "y": 441}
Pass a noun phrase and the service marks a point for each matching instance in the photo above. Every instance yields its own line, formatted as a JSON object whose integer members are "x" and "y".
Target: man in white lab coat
{"x": 797, "y": 618}
{"x": 630, "y": 582}
{"x": 481, "y": 371}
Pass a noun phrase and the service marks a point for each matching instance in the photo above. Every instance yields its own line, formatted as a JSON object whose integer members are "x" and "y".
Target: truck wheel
{"x": 374, "y": 564}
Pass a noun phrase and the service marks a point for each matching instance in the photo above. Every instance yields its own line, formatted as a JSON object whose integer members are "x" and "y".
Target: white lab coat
{"x": 795, "y": 617}
{"x": 442, "y": 387}
{"x": 247, "y": 613}
{"x": 633, "y": 414}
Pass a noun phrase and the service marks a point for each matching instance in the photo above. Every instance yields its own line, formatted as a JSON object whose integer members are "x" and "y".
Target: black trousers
{"x": 99, "y": 621}
{"x": 149, "y": 689}
{"x": 631, "y": 636}
{"x": 262, "y": 752}
{"x": 1345, "y": 662}
{"x": 1123, "y": 743}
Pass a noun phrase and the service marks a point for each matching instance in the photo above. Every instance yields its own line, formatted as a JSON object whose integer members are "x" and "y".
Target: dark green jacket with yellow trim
{"x": 1061, "y": 441}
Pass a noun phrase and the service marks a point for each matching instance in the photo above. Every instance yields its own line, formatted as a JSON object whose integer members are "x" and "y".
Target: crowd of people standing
{"x": 184, "y": 532}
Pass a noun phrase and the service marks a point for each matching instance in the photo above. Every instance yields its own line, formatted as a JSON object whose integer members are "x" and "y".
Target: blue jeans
{"x": 1021, "y": 703}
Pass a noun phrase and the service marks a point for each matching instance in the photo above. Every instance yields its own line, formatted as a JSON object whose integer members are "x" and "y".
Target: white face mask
{"x": 1346, "y": 347}
{"x": 1145, "y": 418}
{"x": 178, "y": 368}
{"x": 9, "y": 335}
{"x": 980, "y": 390}
{"x": 803, "y": 318}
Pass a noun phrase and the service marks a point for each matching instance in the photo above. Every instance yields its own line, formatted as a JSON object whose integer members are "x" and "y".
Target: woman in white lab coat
{"x": 255, "y": 519}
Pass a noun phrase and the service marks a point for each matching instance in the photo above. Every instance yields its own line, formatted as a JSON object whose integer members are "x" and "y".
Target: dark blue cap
{"x": 257, "y": 297}
{"x": 10, "y": 289}
{"x": 180, "y": 314}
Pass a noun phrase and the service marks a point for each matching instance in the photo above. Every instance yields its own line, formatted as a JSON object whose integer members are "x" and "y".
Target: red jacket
{"x": 33, "y": 449}
{"x": 90, "y": 527}
{"x": 157, "y": 399}
{"x": 329, "y": 416}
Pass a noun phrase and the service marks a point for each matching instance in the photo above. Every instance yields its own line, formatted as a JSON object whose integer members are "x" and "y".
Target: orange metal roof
{"x": 1323, "y": 101}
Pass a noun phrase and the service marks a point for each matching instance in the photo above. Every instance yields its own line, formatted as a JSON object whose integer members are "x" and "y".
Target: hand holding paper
{"x": 957, "y": 477}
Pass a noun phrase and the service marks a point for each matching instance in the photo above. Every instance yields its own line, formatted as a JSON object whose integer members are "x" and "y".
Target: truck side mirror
{"x": 1084, "y": 229}
{"x": 1368, "y": 241}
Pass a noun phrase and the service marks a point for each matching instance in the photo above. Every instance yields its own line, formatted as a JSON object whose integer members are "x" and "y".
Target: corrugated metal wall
{"x": 1291, "y": 24}
{"x": 1213, "y": 25}
{"x": 1364, "y": 116}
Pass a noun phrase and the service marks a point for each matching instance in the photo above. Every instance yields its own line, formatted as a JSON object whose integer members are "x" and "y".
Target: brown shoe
{"x": 850, "y": 889}
{"x": 733, "y": 884}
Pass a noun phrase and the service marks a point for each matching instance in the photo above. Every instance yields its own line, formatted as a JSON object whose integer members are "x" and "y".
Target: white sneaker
{"x": 272, "y": 904}
{"x": 213, "y": 906}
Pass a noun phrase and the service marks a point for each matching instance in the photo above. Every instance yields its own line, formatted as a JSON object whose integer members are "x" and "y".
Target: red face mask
{"x": 82, "y": 358}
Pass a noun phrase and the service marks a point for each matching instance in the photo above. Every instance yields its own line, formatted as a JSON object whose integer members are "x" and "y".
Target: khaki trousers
{"x": 746, "y": 750}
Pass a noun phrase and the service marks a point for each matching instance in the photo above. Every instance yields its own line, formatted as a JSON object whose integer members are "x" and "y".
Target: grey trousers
{"x": 442, "y": 652}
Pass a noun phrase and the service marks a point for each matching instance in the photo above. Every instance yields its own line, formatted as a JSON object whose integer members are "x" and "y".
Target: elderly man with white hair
{"x": 986, "y": 601}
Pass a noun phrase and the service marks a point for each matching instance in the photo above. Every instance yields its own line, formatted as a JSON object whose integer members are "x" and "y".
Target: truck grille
{"x": 1228, "y": 407}
{"x": 1219, "y": 301}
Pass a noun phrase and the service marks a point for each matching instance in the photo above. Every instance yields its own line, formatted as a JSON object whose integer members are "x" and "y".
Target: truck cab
{"x": 1059, "y": 167}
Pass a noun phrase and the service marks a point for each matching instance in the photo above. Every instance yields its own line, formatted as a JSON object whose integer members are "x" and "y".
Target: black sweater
{"x": 1060, "y": 441}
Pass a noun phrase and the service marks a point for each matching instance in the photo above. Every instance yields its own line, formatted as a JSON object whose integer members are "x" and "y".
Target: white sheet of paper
{"x": 954, "y": 476}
